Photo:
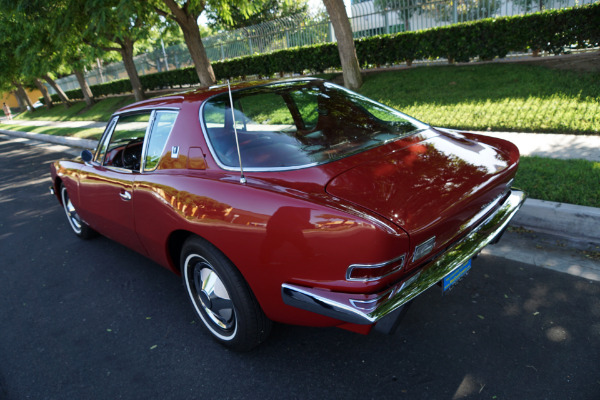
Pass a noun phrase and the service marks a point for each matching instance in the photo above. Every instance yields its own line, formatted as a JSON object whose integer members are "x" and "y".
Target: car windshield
{"x": 293, "y": 124}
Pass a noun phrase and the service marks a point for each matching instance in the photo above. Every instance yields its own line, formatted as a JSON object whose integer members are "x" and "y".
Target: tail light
{"x": 371, "y": 272}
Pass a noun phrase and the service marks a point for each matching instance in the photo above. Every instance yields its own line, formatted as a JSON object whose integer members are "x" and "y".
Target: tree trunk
{"x": 193, "y": 40}
{"x": 88, "y": 96}
{"x": 188, "y": 22}
{"x": 62, "y": 95}
{"x": 24, "y": 96}
{"x": 345, "y": 41}
{"x": 22, "y": 106}
{"x": 127, "y": 55}
{"x": 42, "y": 88}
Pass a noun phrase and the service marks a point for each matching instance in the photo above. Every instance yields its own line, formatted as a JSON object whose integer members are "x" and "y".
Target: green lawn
{"x": 101, "y": 111}
{"x": 564, "y": 181}
{"x": 511, "y": 97}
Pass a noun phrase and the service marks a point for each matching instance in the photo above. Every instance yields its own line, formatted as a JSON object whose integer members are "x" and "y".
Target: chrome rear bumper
{"x": 366, "y": 309}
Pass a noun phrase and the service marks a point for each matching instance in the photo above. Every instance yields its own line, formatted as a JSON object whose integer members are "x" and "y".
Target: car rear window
{"x": 293, "y": 124}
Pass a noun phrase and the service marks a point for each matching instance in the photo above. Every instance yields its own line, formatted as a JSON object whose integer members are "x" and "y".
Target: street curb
{"x": 571, "y": 221}
{"x": 63, "y": 140}
{"x": 575, "y": 222}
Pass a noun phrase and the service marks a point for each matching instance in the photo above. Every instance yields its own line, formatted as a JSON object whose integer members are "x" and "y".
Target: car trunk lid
{"x": 434, "y": 187}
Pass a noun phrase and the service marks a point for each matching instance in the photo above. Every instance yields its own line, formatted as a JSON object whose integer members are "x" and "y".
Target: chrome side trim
{"x": 366, "y": 309}
{"x": 147, "y": 108}
{"x": 148, "y": 136}
{"x": 146, "y": 140}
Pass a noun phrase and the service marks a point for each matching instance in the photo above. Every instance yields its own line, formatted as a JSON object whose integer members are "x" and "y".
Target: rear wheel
{"x": 221, "y": 297}
{"x": 79, "y": 227}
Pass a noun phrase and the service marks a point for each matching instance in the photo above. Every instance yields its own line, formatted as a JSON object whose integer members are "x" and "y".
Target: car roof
{"x": 199, "y": 95}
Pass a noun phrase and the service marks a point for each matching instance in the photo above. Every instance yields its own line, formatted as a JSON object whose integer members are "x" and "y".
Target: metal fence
{"x": 376, "y": 17}
{"x": 367, "y": 18}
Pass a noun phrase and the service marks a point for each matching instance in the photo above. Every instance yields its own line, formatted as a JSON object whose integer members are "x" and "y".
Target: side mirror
{"x": 87, "y": 156}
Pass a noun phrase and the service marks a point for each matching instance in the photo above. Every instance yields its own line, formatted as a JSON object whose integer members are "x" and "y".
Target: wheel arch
{"x": 57, "y": 184}
{"x": 175, "y": 243}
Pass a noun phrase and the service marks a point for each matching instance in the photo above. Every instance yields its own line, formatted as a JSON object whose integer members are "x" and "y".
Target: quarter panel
{"x": 272, "y": 238}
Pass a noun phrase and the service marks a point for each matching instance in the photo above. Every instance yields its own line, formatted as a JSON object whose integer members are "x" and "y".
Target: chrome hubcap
{"x": 210, "y": 294}
{"x": 72, "y": 215}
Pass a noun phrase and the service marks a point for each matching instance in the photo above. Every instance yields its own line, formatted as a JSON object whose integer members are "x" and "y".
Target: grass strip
{"x": 84, "y": 133}
{"x": 510, "y": 97}
{"x": 564, "y": 181}
{"x": 100, "y": 111}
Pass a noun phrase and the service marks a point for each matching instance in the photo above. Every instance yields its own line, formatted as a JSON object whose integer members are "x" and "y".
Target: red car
{"x": 304, "y": 203}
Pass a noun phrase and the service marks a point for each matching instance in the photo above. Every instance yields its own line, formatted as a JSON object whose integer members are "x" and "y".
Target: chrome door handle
{"x": 125, "y": 195}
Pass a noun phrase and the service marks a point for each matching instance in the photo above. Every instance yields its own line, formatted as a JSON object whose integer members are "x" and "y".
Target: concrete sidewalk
{"x": 553, "y": 145}
{"x": 564, "y": 220}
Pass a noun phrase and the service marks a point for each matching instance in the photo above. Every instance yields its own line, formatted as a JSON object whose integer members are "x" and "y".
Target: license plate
{"x": 455, "y": 276}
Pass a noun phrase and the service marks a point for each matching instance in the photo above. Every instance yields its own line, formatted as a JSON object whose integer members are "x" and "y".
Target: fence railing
{"x": 367, "y": 18}
{"x": 376, "y": 17}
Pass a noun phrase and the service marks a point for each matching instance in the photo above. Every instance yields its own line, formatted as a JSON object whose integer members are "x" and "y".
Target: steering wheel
{"x": 130, "y": 160}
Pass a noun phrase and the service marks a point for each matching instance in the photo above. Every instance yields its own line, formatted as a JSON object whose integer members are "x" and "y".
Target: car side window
{"x": 101, "y": 152}
{"x": 161, "y": 128}
{"x": 124, "y": 150}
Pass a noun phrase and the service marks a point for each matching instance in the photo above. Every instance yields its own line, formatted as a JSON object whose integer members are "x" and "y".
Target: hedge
{"x": 552, "y": 31}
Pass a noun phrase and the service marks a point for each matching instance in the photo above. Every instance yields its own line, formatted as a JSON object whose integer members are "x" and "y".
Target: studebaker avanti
{"x": 295, "y": 201}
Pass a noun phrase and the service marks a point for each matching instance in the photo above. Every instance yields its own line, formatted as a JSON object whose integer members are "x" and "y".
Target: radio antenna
{"x": 237, "y": 142}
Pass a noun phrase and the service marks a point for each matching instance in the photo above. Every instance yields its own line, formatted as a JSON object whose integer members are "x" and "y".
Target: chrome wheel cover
{"x": 210, "y": 297}
{"x": 72, "y": 216}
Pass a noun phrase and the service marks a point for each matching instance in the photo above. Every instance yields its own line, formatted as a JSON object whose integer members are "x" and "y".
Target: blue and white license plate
{"x": 455, "y": 276}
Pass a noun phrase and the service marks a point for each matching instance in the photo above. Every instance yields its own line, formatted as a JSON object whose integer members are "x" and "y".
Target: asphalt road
{"x": 94, "y": 320}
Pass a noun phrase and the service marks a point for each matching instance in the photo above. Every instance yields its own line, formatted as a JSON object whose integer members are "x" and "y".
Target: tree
{"x": 267, "y": 11}
{"x": 345, "y": 41}
{"x": 114, "y": 25}
{"x": 61, "y": 94}
{"x": 44, "y": 91}
{"x": 23, "y": 94}
{"x": 11, "y": 63}
{"x": 46, "y": 47}
{"x": 186, "y": 14}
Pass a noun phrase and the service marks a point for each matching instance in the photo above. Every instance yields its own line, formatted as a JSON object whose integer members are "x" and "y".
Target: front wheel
{"x": 79, "y": 227}
{"x": 221, "y": 297}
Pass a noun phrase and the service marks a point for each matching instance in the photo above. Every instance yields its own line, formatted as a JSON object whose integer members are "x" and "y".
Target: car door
{"x": 106, "y": 184}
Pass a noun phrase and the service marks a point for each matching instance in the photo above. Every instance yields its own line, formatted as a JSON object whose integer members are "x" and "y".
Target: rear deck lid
{"x": 430, "y": 188}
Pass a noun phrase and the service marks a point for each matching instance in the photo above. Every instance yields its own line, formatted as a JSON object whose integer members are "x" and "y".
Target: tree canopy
{"x": 267, "y": 10}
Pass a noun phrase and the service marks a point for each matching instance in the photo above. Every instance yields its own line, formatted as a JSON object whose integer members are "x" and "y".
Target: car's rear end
{"x": 449, "y": 192}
